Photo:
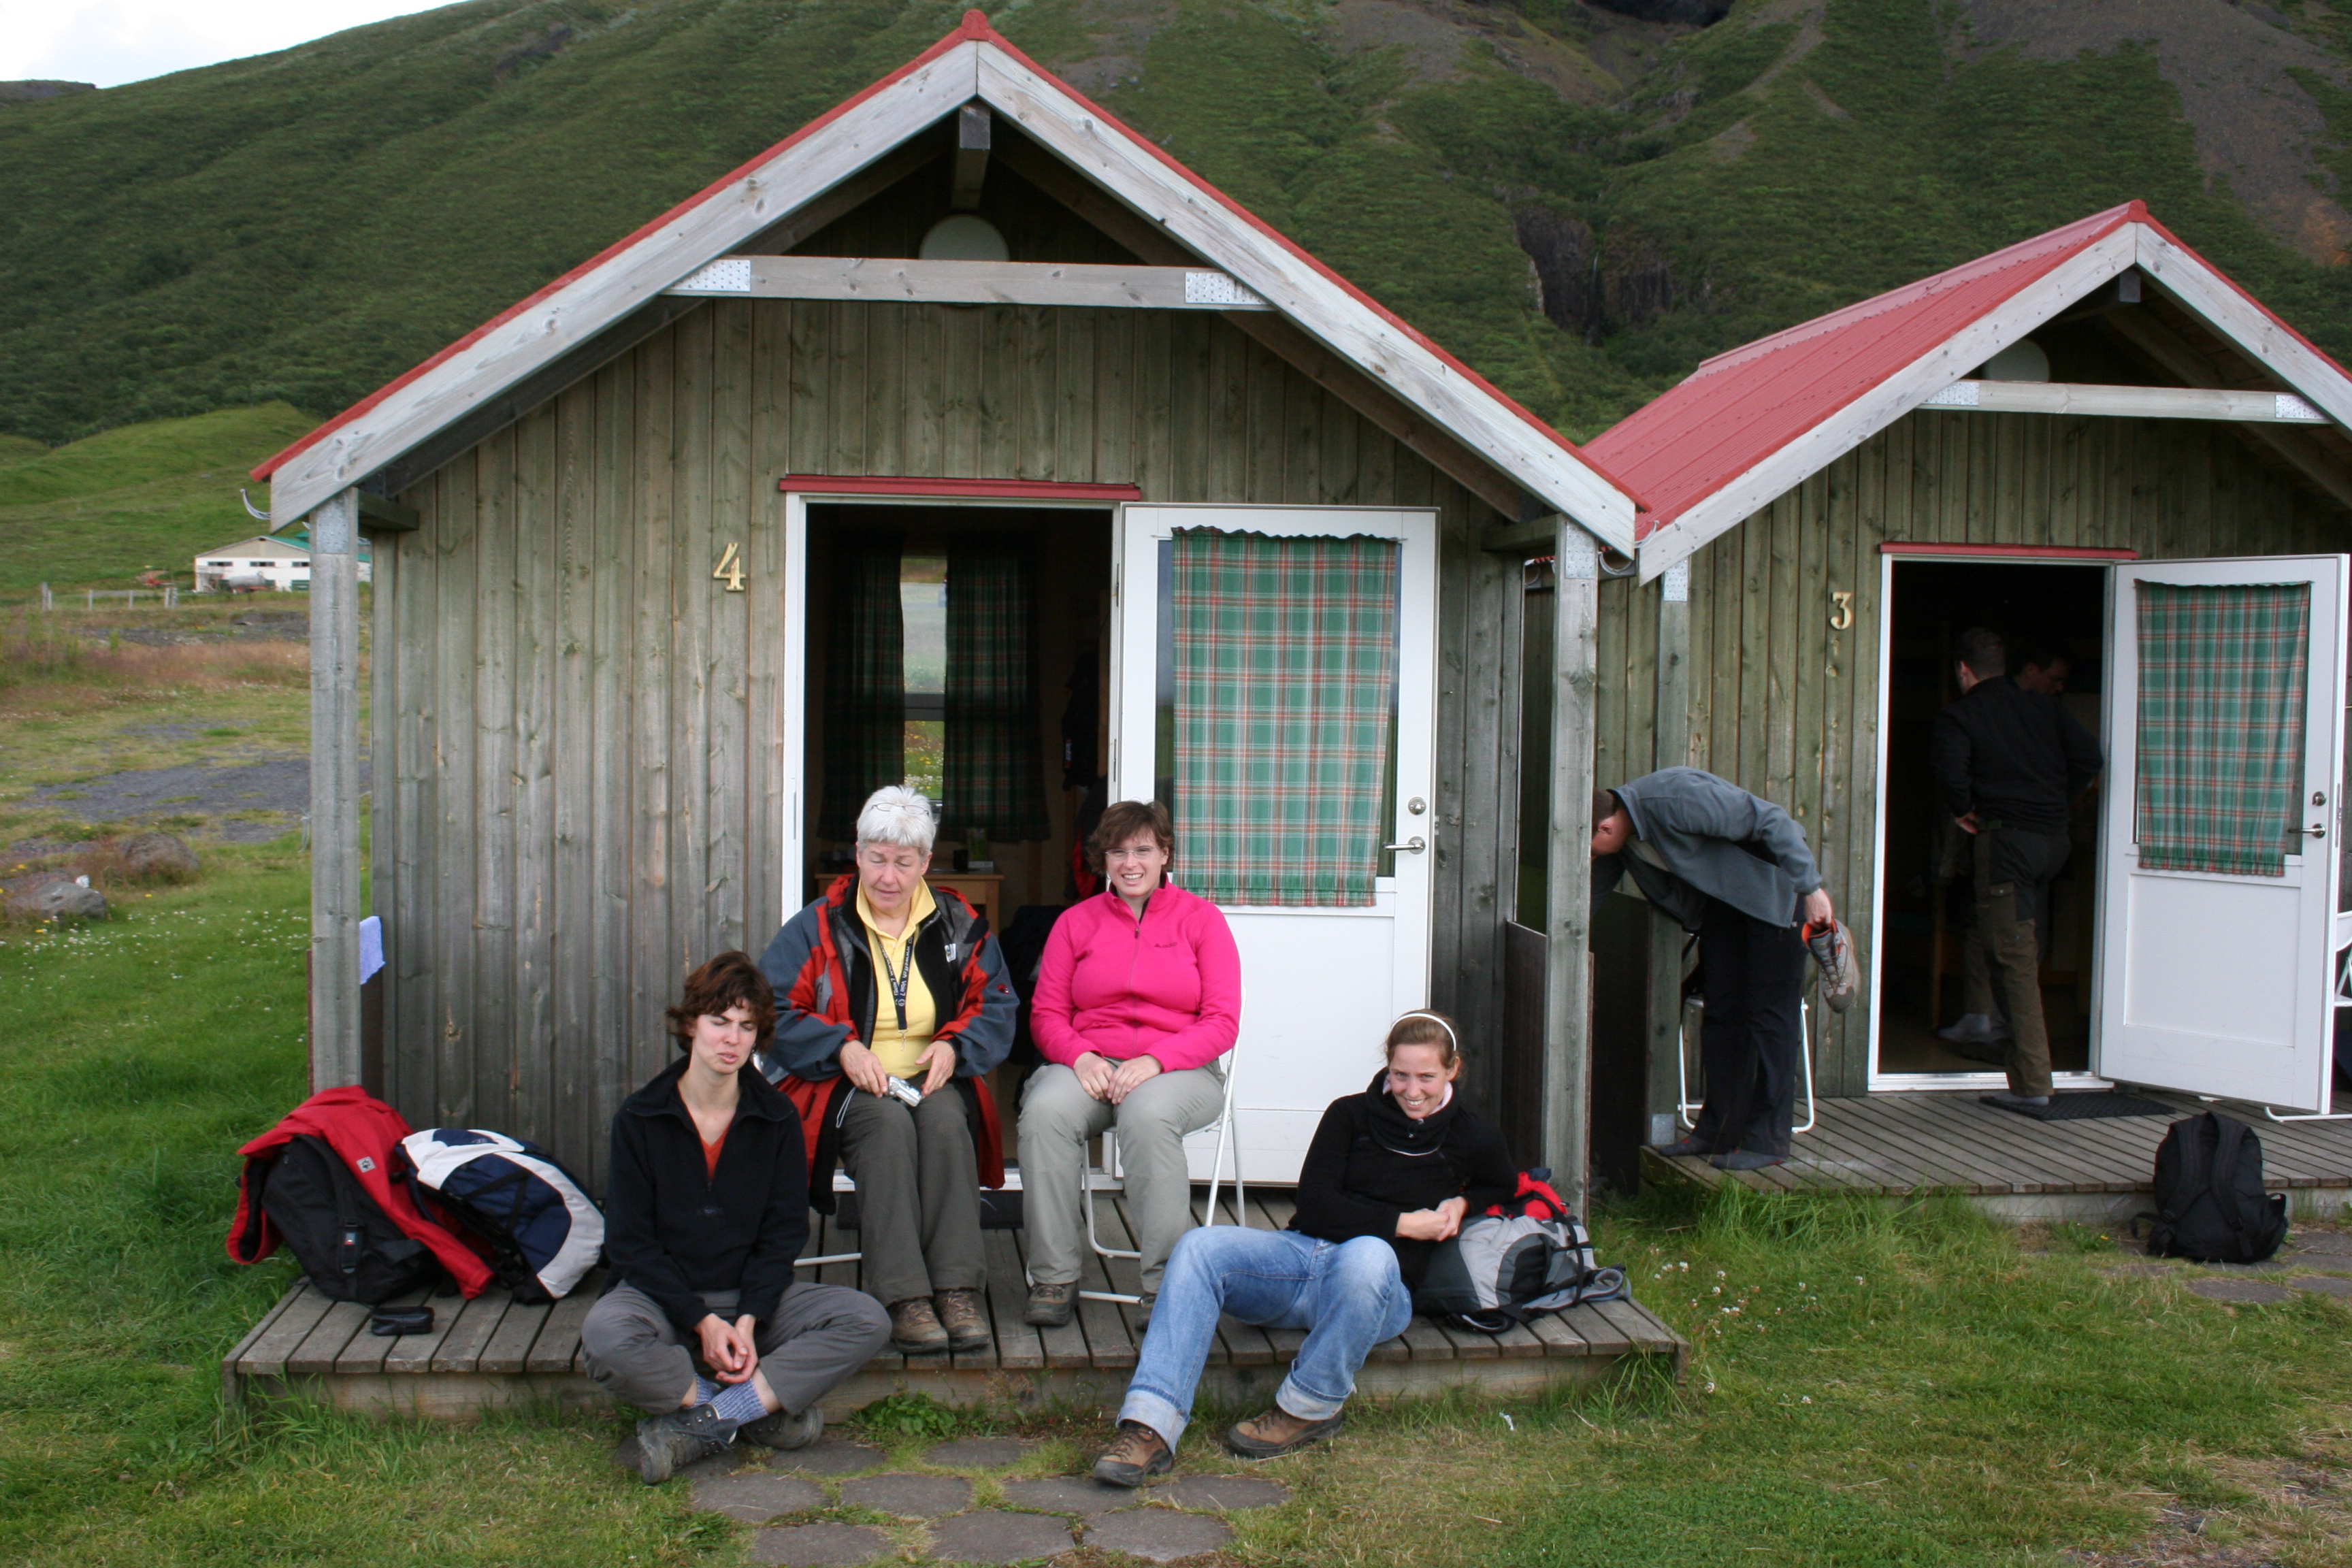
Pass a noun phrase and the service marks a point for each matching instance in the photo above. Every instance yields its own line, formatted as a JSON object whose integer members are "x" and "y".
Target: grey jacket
{"x": 1717, "y": 841}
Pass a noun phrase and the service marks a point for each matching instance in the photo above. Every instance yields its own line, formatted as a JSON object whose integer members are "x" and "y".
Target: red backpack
{"x": 322, "y": 1182}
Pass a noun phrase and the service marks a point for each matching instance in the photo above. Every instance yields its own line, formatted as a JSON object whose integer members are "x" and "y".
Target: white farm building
{"x": 278, "y": 561}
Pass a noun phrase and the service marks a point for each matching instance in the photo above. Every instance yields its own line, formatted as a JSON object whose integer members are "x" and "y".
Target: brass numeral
{"x": 731, "y": 568}
{"x": 1842, "y": 616}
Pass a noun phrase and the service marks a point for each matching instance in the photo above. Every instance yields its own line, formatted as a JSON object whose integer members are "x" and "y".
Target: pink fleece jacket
{"x": 1170, "y": 986}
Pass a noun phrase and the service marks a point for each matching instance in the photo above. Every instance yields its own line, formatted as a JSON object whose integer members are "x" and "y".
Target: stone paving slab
{"x": 909, "y": 1497}
{"x": 2323, "y": 1285}
{"x": 1159, "y": 1534}
{"x": 2249, "y": 1291}
{"x": 1227, "y": 1492}
{"x": 2338, "y": 1242}
{"x": 756, "y": 1497}
{"x": 820, "y": 1545}
{"x": 1080, "y": 1495}
{"x": 979, "y": 1453}
{"x": 826, "y": 1456}
{"x": 996, "y": 1536}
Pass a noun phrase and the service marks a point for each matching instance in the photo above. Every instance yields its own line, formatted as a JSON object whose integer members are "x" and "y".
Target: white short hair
{"x": 896, "y": 815}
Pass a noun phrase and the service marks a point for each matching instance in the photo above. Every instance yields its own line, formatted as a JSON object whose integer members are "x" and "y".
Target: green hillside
{"x": 99, "y": 511}
{"x": 1582, "y": 202}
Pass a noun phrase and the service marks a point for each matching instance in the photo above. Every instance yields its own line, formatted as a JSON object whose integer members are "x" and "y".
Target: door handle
{"x": 2318, "y": 832}
{"x": 1412, "y": 846}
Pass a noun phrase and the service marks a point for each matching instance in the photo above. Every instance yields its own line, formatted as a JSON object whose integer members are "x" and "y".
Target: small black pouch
{"x": 391, "y": 1321}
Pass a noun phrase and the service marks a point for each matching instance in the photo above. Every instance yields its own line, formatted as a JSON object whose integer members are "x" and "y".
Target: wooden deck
{"x": 2094, "y": 1172}
{"x": 492, "y": 1352}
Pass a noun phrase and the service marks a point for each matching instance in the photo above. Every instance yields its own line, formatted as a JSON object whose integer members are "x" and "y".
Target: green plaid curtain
{"x": 865, "y": 682}
{"x": 1286, "y": 670}
{"x": 994, "y": 765}
{"x": 2222, "y": 691}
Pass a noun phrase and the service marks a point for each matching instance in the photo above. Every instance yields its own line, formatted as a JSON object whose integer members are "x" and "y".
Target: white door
{"x": 2217, "y": 981}
{"x": 1321, "y": 985}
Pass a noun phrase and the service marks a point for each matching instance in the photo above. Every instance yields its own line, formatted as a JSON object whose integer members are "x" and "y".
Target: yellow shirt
{"x": 898, "y": 1047}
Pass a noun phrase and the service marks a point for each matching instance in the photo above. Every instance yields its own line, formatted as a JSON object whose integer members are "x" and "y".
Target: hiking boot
{"x": 914, "y": 1327}
{"x": 1691, "y": 1147}
{"x": 666, "y": 1444}
{"x": 783, "y": 1429}
{"x": 1134, "y": 1457}
{"x": 2008, "y": 1101}
{"x": 1050, "y": 1306}
{"x": 1746, "y": 1160}
{"x": 1832, "y": 946}
{"x": 1278, "y": 1432}
{"x": 1972, "y": 1030}
{"x": 964, "y": 1323}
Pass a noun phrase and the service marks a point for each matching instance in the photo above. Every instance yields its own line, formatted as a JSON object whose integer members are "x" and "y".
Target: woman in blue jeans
{"x": 1390, "y": 1175}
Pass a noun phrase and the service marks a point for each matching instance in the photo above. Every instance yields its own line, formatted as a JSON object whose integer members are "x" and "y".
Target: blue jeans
{"x": 1348, "y": 1295}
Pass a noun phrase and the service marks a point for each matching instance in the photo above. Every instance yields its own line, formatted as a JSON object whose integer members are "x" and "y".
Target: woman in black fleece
{"x": 1392, "y": 1171}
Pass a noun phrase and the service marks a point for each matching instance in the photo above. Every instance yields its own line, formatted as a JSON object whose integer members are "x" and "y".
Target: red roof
{"x": 1739, "y": 408}
{"x": 974, "y": 26}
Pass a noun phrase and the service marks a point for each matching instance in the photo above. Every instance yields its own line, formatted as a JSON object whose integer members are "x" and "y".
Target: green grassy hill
{"x": 99, "y": 511}
{"x": 1582, "y": 202}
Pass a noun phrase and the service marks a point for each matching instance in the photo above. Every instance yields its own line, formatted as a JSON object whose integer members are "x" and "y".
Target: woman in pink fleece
{"x": 1138, "y": 994}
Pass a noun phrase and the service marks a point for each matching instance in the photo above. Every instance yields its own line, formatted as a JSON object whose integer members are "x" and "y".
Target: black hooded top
{"x": 1370, "y": 1163}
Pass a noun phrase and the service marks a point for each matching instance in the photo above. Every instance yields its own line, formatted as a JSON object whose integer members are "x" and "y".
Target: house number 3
{"x": 1842, "y": 615}
{"x": 731, "y": 568}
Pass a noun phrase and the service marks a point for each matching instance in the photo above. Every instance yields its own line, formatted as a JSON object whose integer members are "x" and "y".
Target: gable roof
{"x": 974, "y": 62}
{"x": 1750, "y": 424}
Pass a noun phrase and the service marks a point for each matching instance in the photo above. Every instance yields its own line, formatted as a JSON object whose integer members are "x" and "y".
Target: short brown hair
{"x": 1423, "y": 1028}
{"x": 730, "y": 980}
{"x": 1605, "y": 805}
{"x": 1980, "y": 648}
{"x": 1121, "y": 821}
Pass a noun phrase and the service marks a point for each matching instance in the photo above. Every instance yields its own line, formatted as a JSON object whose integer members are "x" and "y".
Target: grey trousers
{"x": 917, "y": 1194}
{"x": 818, "y": 1335}
{"x": 1057, "y": 1117}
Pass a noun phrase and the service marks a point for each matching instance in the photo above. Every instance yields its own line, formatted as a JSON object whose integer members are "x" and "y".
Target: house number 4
{"x": 1842, "y": 615}
{"x": 731, "y": 568}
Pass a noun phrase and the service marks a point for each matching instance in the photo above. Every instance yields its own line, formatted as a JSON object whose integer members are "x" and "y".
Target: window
{"x": 923, "y": 623}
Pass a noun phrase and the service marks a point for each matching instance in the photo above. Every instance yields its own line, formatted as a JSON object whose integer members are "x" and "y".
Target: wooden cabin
{"x": 2048, "y": 440}
{"x": 962, "y": 435}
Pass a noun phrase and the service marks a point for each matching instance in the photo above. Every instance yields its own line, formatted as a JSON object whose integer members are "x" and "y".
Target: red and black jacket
{"x": 823, "y": 976}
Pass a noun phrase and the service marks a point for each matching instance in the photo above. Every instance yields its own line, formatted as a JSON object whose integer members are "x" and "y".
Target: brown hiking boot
{"x": 914, "y": 1327}
{"x": 1050, "y": 1306}
{"x": 966, "y": 1324}
{"x": 1135, "y": 1455}
{"x": 1278, "y": 1432}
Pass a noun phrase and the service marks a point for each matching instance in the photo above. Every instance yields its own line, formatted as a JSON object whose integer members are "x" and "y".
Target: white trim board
{"x": 976, "y": 67}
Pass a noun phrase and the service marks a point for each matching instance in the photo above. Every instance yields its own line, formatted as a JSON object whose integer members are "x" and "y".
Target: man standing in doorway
{"x": 1735, "y": 868}
{"x": 2007, "y": 762}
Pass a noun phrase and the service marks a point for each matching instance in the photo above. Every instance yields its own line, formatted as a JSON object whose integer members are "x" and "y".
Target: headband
{"x": 1436, "y": 1020}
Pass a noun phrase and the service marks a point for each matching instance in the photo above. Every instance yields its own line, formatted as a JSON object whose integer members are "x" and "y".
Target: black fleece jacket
{"x": 673, "y": 1231}
{"x": 1370, "y": 1162}
{"x": 2015, "y": 756}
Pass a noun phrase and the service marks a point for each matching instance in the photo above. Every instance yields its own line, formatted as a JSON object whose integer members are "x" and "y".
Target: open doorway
{"x": 961, "y": 650}
{"x": 2052, "y": 614}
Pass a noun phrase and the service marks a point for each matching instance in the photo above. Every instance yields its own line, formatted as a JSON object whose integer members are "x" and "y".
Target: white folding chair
{"x": 1107, "y": 1178}
{"x": 2342, "y": 937}
{"x": 1686, "y": 1108}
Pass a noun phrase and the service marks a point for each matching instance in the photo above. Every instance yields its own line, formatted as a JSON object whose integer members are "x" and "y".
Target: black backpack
{"x": 345, "y": 1242}
{"x": 2212, "y": 1206}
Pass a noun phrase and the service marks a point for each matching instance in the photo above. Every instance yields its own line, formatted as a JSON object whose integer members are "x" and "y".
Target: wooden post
{"x": 1670, "y": 734}
{"x": 1568, "y": 972}
{"x": 335, "y": 792}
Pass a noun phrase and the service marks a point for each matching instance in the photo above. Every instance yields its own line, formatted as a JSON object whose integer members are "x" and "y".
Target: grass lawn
{"x": 1869, "y": 1387}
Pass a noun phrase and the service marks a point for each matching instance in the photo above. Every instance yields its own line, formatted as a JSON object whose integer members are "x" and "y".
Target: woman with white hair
{"x": 892, "y": 1006}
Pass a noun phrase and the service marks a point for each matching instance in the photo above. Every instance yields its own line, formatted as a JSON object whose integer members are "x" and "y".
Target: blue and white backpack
{"x": 541, "y": 1231}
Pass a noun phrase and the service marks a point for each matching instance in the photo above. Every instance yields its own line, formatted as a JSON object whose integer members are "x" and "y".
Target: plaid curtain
{"x": 994, "y": 761}
{"x": 2222, "y": 690}
{"x": 865, "y": 682}
{"x": 1286, "y": 668}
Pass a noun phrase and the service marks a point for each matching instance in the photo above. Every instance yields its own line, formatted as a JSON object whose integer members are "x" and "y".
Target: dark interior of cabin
{"x": 2044, "y": 612}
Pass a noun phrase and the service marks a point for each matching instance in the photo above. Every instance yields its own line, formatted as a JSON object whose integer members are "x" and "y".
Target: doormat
{"x": 2085, "y": 1105}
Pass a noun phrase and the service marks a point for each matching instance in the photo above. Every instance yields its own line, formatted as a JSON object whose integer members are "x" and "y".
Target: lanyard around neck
{"x": 898, "y": 978}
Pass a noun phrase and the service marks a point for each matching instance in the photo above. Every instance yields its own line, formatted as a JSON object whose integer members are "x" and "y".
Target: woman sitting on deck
{"x": 895, "y": 1005}
{"x": 1391, "y": 1174}
{"x": 708, "y": 1208}
{"x": 1138, "y": 994}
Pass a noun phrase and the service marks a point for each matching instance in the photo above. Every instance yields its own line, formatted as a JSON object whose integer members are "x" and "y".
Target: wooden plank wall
{"x": 579, "y": 731}
{"x": 1789, "y": 708}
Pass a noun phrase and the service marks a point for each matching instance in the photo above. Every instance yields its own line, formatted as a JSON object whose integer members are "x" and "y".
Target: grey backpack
{"x": 1504, "y": 1267}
